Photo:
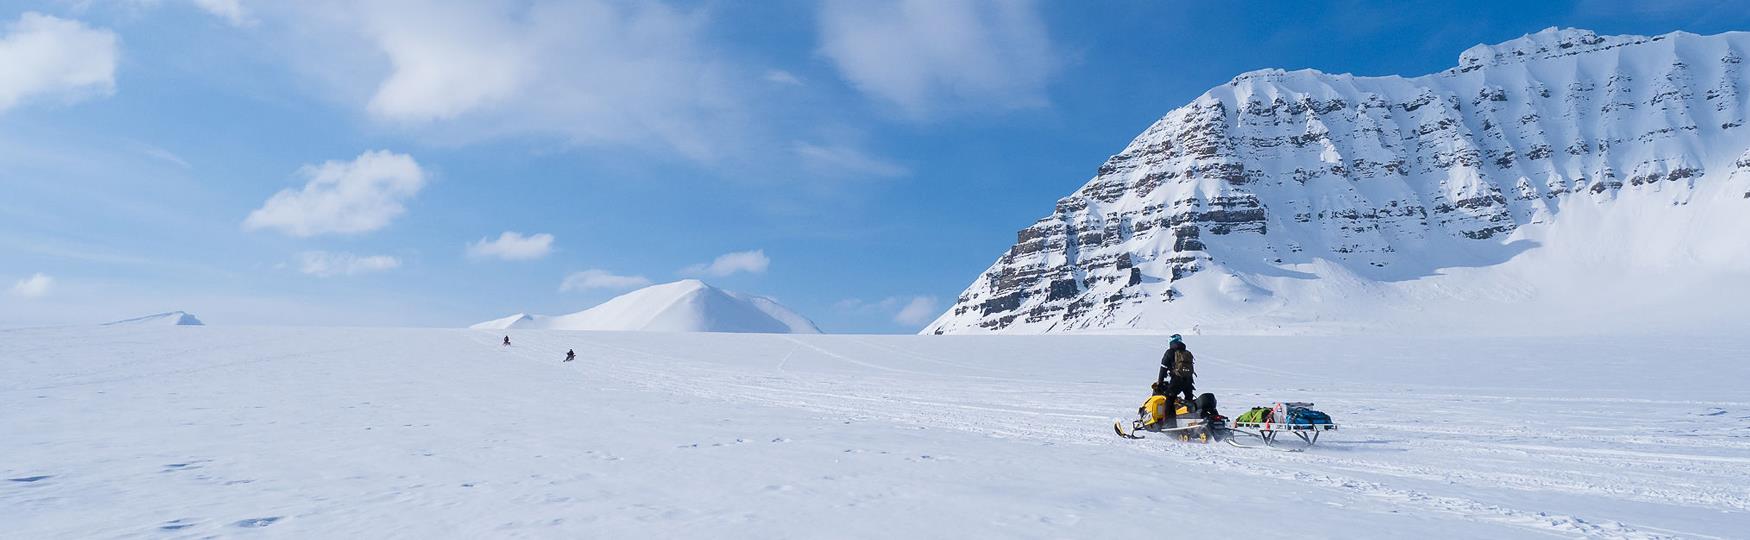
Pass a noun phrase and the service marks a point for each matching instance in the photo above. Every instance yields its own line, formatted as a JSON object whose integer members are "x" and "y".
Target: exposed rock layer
{"x": 1386, "y": 178}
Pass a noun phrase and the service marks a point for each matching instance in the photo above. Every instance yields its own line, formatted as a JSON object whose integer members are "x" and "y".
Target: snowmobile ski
{"x": 1118, "y": 426}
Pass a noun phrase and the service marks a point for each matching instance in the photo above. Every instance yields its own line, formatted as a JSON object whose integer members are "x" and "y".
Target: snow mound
{"x": 513, "y": 321}
{"x": 172, "y": 318}
{"x": 688, "y": 305}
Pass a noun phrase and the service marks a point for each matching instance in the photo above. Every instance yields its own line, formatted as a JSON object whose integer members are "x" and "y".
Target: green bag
{"x": 1257, "y": 415}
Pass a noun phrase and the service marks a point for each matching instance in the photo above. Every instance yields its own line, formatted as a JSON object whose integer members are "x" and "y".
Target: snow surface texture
{"x": 1560, "y": 183}
{"x": 688, "y": 305}
{"x": 433, "y": 433}
{"x": 173, "y": 318}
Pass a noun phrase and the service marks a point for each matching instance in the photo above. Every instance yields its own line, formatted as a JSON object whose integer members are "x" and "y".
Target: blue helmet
{"x": 1175, "y": 339}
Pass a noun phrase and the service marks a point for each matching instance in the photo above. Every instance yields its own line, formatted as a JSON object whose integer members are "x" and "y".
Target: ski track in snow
{"x": 1460, "y": 460}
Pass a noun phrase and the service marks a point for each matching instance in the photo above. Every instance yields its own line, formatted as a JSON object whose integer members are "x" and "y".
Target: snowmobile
{"x": 1200, "y": 422}
{"x": 1196, "y": 421}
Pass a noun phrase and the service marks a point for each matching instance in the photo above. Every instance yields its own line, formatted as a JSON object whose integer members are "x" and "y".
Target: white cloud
{"x": 906, "y": 310}
{"x": 845, "y": 160}
{"x": 46, "y": 55}
{"x": 329, "y": 264}
{"x": 35, "y": 286}
{"x": 858, "y": 305}
{"x": 513, "y": 246}
{"x": 445, "y": 62}
{"x": 779, "y": 76}
{"x": 752, "y": 262}
{"x": 229, "y": 10}
{"x": 920, "y": 310}
{"x": 359, "y": 196}
{"x": 923, "y": 55}
{"x": 600, "y": 279}
{"x": 160, "y": 154}
{"x": 589, "y": 71}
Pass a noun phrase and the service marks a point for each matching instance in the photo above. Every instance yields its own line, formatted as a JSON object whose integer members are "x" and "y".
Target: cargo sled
{"x": 1264, "y": 426}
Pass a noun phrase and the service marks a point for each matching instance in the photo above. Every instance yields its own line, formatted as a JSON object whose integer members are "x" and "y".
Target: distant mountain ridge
{"x": 682, "y": 306}
{"x": 1563, "y": 178}
{"x": 171, "y": 318}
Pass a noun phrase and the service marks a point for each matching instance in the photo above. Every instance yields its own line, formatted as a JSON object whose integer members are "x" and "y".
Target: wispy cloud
{"x": 352, "y": 197}
{"x": 45, "y": 55}
{"x": 779, "y": 76}
{"x": 35, "y": 286}
{"x": 927, "y": 55}
{"x": 905, "y": 310}
{"x": 513, "y": 246}
{"x": 229, "y": 10}
{"x": 600, "y": 279}
{"x": 919, "y": 310}
{"x": 846, "y": 161}
{"x": 160, "y": 154}
{"x": 752, "y": 262}
{"x": 588, "y": 71}
{"x": 330, "y": 264}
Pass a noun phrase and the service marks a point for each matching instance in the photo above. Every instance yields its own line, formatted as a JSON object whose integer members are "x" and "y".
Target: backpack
{"x": 1182, "y": 364}
{"x": 1257, "y": 415}
{"x": 1307, "y": 417}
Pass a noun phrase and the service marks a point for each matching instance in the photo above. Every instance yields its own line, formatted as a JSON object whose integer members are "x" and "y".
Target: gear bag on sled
{"x": 1257, "y": 415}
{"x": 1303, "y": 416}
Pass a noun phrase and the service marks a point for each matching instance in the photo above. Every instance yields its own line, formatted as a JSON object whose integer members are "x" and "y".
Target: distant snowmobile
{"x": 570, "y": 355}
{"x": 507, "y": 341}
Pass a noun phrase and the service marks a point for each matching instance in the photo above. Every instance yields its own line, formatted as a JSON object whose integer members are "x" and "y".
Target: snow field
{"x": 417, "y": 433}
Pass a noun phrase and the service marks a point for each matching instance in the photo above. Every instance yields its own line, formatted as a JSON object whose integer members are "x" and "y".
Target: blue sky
{"x": 359, "y": 163}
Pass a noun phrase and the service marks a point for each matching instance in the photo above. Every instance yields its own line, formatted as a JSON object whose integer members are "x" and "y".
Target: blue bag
{"x": 1307, "y": 417}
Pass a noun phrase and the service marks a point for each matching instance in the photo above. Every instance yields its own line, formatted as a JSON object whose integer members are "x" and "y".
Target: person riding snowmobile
{"x": 1178, "y": 363}
{"x": 570, "y": 355}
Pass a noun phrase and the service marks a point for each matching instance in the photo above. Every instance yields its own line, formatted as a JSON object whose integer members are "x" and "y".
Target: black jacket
{"x": 1179, "y": 365}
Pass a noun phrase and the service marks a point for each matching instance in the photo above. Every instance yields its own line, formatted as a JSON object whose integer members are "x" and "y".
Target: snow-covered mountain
{"x": 688, "y": 305}
{"x": 173, "y": 318}
{"x": 1559, "y": 182}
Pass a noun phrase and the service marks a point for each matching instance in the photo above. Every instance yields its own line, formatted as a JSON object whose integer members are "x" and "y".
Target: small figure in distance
{"x": 570, "y": 355}
{"x": 507, "y": 341}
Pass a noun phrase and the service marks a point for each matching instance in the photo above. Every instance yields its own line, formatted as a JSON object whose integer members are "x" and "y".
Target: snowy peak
{"x": 1587, "y": 162}
{"x": 688, "y": 305}
{"x": 173, "y": 318}
{"x": 1549, "y": 43}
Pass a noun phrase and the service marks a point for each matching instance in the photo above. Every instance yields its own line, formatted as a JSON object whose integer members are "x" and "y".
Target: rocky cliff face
{"x": 1384, "y": 180}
